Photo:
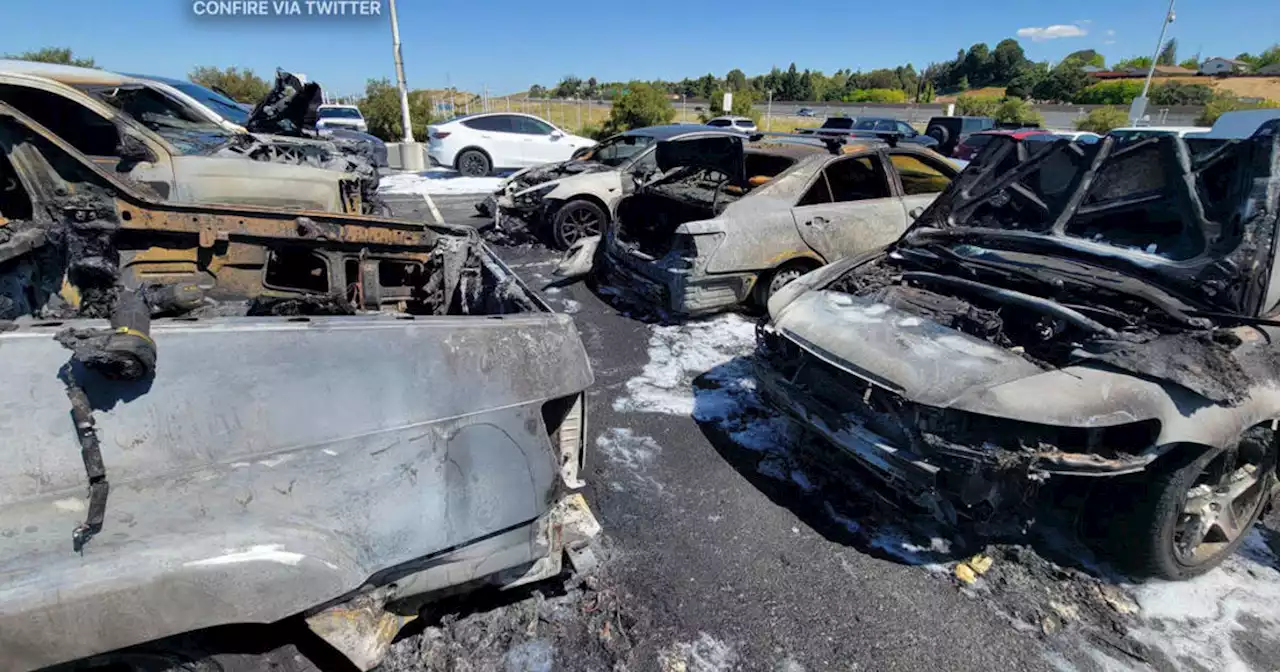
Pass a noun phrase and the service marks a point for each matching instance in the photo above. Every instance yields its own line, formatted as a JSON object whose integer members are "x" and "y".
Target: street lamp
{"x": 768, "y": 112}
{"x": 411, "y": 157}
{"x": 1139, "y": 107}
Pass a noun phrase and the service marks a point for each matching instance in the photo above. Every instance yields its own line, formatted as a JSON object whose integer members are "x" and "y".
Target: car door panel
{"x": 859, "y": 211}
{"x": 920, "y": 180}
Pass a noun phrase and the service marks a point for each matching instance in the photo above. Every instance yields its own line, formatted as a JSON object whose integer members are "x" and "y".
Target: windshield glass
{"x": 618, "y": 150}
{"x": 339, "y": 113}
{"x": 186, "y": 129}
{"x": 221, "y": 105}
{"x": 866, "y": 125}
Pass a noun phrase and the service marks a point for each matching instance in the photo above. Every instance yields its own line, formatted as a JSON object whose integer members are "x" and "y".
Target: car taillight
{"x": 440, "y": 135}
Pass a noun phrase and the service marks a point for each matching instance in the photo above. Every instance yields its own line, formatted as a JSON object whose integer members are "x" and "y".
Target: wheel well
{"x": 805, "y": 262}
{"x": 590, "y": 198}
{"x": 473, "y": 148}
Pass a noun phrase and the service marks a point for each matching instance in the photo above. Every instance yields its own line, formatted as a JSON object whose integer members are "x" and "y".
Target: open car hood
{"x": 721, "y": 153}
{"x": 1195, "y": 218}
{"x": 288, "y": 109}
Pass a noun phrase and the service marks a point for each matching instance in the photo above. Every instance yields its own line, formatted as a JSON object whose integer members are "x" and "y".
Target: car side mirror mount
{"x": 556, "y": 134}
{"x": 915, "y": 213}
{"x": 133, "y": 150}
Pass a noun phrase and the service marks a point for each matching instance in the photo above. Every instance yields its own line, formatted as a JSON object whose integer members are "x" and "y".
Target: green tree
{"x": 537, "y": 91}
{"x": 59, "y": 55}
{"x": 736, "y": 80}
{"x": 926, "y": 93}
{"x": 1168, "y": 53}
{"x": 381, "y": 109}
{"x": 1192, "y": 63}
{"x": 1024, "y": 85}
{"x": 1008, "y": 61}
{"x": 1139, "y": 62}
{"x": 1064, "y": 82}
{"x": 1017, "y": 111}
{"x": 979, "y": 65}
{"x": 743, "y": 105}
{"x": 976, "y": 106}
{"x": 876, "y": 96}
{"x": 790, "y": 85}
{"x": 1102, "y": 119}
{"x": 706, "y": 84}
{"x": 1087, "y": 57}
{"x": 569, "y": 87}
{"x": 242, "y": 85}
{"x": 1177, "y": 93}
{"x": 1267, "y": 57}
{"x": 643, "y": 105}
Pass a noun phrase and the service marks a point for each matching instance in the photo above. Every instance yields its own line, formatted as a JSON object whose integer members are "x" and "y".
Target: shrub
{"x": 1228, "y": 103}
{"x": 1121, "y": 92}
{"x": 642, "y": 105}
{"x": 876, "y": 96}
{"x": 1177, "y": 93}
{"x": 1101, "y": 120}
{"x": 976, "y": 106}
{"x": 1017, "y": 111}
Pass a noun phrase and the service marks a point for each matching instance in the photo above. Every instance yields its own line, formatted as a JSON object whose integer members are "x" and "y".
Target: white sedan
{"x": 478, "y": 144}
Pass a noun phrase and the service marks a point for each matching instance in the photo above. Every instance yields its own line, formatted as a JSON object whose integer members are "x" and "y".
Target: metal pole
{"x": 579, "y": 114}
{"x": 404, "y": 91}
{"x": 768, "y": 114}
{"x": 684, "y": 107}
{"x": 1151, "y": 72}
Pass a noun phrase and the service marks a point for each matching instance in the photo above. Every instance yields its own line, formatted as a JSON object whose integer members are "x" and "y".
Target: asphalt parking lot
{"x": 723, "y": 551}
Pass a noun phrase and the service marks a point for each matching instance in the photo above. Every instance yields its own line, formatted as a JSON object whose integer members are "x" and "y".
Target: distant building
{"x": 1223, "y": 66}
{"x": 1273, "y": 69}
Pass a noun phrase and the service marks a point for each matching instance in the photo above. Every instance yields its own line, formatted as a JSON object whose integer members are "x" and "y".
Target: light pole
{"x": 411, "y": 156}
{"x": 1139, "y": 107}
{"x": 768, "y": 112}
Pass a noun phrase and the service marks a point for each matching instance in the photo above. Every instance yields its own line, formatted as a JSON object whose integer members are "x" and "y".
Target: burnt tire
{"x": 474, "y": 163}
{"x": 1146, "y": 522}
{"x": 576, "y": 220}
{"x": 769, "y": 283}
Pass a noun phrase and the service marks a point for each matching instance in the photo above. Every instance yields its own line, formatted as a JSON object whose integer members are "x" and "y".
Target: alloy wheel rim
{"x": 1217, "y": 508}
{"x": 579, "y": 223}
{"x": 474, "y": 164}
{"x": 782, "y": 279}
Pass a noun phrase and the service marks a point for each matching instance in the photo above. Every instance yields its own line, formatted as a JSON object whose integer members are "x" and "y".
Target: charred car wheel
{"x": 577, "y": 220}
{"x": 1186, "y": 520}
{"x": 780, "y": 277}
{"x": 473, "y": 163}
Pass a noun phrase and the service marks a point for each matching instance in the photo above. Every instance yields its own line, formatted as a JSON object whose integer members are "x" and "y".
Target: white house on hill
{"x": 1223, "y": 66}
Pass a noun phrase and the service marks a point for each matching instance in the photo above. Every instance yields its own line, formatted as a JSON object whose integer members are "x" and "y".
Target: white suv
{"x": 742, "y": 124}
{"x": 480, "y": 143}
{"x": 329, "y": 117}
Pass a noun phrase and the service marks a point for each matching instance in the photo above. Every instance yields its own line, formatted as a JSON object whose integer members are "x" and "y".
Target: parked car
{"x": 278, "y": 465}
{"x": 728, "y": 222}
{"x": 332, "y": 117}
{"x": 1061, "y": 330}
{"x": 193, "y": 164}
{"x": 1135, "y": 133}
{"x": 894, "y": 130}
{"x": 478, "y": 144}
{"x": 806, "y": 112}
{"x": 740, "y": 124}
{"x": 1086, "y": 137}
{"x": 975, "y": 143}
{"x": 236, "y": 117}
{"x": 951, "y": 131}
{"x": 831, "y": 127}
{"x": 574, "y": 199}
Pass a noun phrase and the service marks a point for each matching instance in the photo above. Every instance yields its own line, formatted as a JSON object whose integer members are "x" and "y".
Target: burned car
{"x": 730, "y": 222}
{"x": 158, "y": 141}
{"x": 1101, "y": 313}
{"x": 226, "y": 414}
{"x": 574, "y": 199}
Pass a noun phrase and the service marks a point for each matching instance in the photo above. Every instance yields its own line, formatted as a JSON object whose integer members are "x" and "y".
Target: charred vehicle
{"x": 729, "y": 222}
{"x": 1103, "y": 312}
{"x": 158, "y": 140}
{"x": 572, "y": 200}
{"x": 222, "y": 414}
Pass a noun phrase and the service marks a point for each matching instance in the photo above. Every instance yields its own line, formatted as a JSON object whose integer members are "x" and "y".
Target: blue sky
{"x": 509, "y": 44}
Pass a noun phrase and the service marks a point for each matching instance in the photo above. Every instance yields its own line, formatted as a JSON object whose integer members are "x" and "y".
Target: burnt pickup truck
{"x": 225, "y": 415}
{"x": 1104, "y": 312}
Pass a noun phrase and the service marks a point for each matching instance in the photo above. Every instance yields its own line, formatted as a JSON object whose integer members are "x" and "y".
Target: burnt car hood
{"x": 288, "y": 109}
{"x": 914, "y": 357}
{"x": 721, "y": 153}
{"x": 1097, "y": 203}
{"x": 556, "y": 171}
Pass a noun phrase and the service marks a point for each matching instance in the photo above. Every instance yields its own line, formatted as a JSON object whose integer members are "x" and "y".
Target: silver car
{"x": 730, "y": 222}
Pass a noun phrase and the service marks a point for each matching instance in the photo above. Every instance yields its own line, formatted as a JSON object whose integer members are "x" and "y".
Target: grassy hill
{"x": 1245, "y": 87}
